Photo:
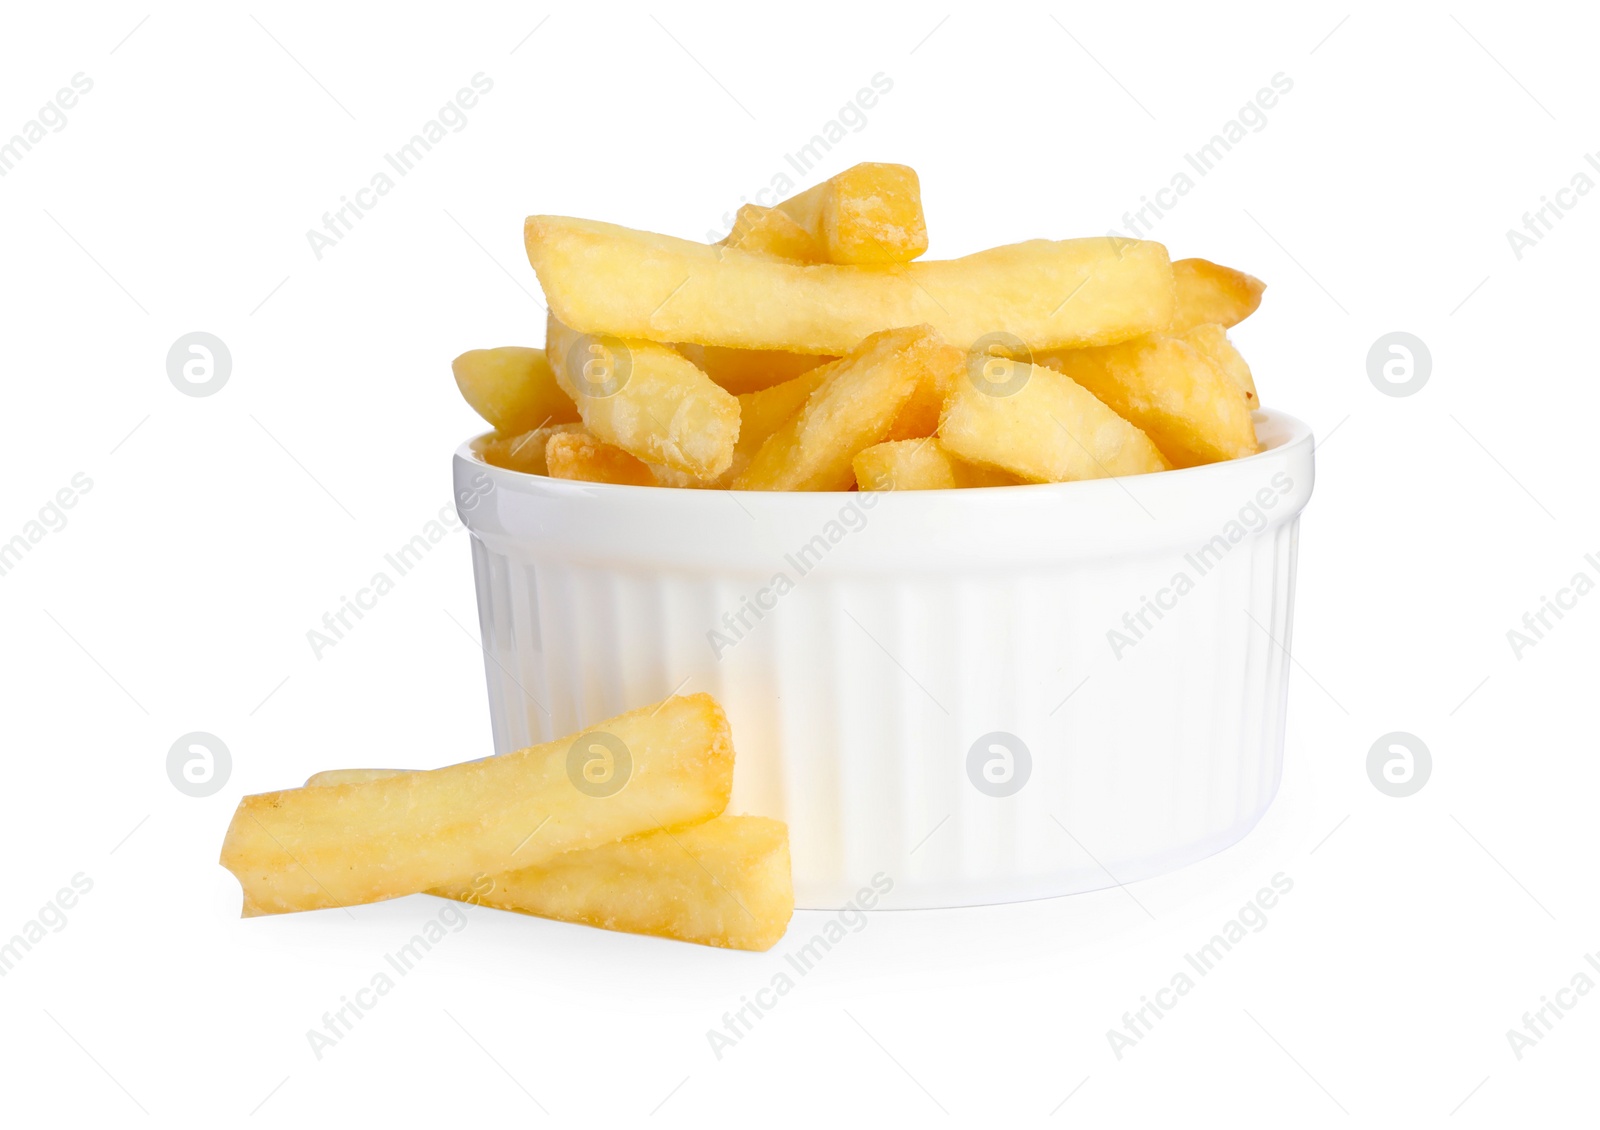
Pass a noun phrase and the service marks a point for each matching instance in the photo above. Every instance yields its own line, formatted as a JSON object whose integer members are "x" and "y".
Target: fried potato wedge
{"x": 513, "y": 388}
{"x": 921, "y": 464}
{"x": 853, "y": 408}
{"x": 1048, "y": 430}
{"x": 749, "y": 370}
{"x": 604, "y": 279}
{"x": 1174, "y": 392}
{"x": 767, "y": 231}
{"x": 647, "y": 399}
{"x": 524, "y": 452}
{"x": 575, "y": 455}
{"x": 301, "y": 849}
{"x": 1207, "y": 293}
{"x": 870, "y": 214}
{"x": 722, "y": 883}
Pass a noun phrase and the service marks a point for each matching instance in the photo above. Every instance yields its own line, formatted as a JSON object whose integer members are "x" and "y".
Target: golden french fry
{"x": 905, "y": 464}
{"x": 749, "y": 370}
{"x": 325, "y": 777}
{"x": 604, "y": 279}
{"x": 725, "y": 882}
{"x": 760, "y": 414}
{"x": 870, "y": 214}
{"x": 853, "y": 408}
{"x": 764, "y": 412}
{"x": 524, "y": 452}
{"x": 919, "y": 417}
{"x": 767, "y": 231}
{"x": 722, "y": 883}
{"x": 1042, "y": 427}
{"x": 575, "y": 455}
{"x": 667, "y": 477}
{"x": 1207, "y": 293}
{"x": 921, "y": 464}
{"x": 647, "y": 399}
{"x": 1182, "y": 400}
{"x": 513, "y": 388}
{"x": 1213, "y": 341}
{"x": 661, "y": 766}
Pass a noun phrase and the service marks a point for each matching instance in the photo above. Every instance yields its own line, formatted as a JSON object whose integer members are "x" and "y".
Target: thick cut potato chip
{"x": 1213, "y": 341}
{"x": 302, "y": 849}
{"x": 524, "y": 452}
{"x": 647, "y": 399}
{"x": 1207, "y": 293}
{"x": 870, "y": 214}
{"x": 1174, "y": 392}
{"x": 575, "y": 455}
{"x": 921, "y": 464}
{"x": 604, "y": 279}
{"x": 749, "y": 370}
{"x": 853, "y": 408}
{"x": 767, "y": 231}
{"x": 722, "y": 883}
{"x": 1048, "y": 429}
{"x": 513, "y": 388}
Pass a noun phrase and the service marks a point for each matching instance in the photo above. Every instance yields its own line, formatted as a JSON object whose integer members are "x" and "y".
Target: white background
{"x": 218, "y": 530}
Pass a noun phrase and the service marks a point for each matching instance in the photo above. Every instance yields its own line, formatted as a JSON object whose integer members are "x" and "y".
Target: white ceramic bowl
{"x": 981, "y": 695}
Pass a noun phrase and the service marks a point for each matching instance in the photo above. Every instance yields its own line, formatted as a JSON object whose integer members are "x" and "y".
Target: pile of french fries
{"x": 621, "y": 826}
{"x": 811, "y": 350}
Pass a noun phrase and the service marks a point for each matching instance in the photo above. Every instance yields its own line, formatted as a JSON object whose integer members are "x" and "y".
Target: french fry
{"x": 604, "y": 279}
{"x": 919, "y": 417}
{"x": 647, "y": 399}
{"x": 1048, "y": 430}
{"x": 760, "y": 414}
{"x": 749, "y": 370}
{"x": 764, "y": 412}
{"x": 1213, "y": 341}
{"x": 767, "y": 231}
{"x": 575, "y": 455}
{"x": 905, "y": 464}
{"x": 524, "y": 452}
{"x": 853, "y": 408}
{"x": 870, "y": 214}
{"x": 325, "y": 777}
{"x": 1207, "y": 293}
{"x": 302, "y": 849}
{"x": 725, "y": 882}
{"x": 513, "y": 388}
{"x": 1172, "y": 391}
{"x": 921, "y": 464}
{"x": 722, "y": 883}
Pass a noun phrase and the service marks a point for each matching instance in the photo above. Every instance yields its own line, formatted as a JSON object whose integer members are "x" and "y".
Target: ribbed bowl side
{"x": 1155, "y": 733}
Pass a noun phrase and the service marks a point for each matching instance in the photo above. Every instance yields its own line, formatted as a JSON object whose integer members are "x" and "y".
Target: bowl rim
{"x": 1286, "y": 434}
